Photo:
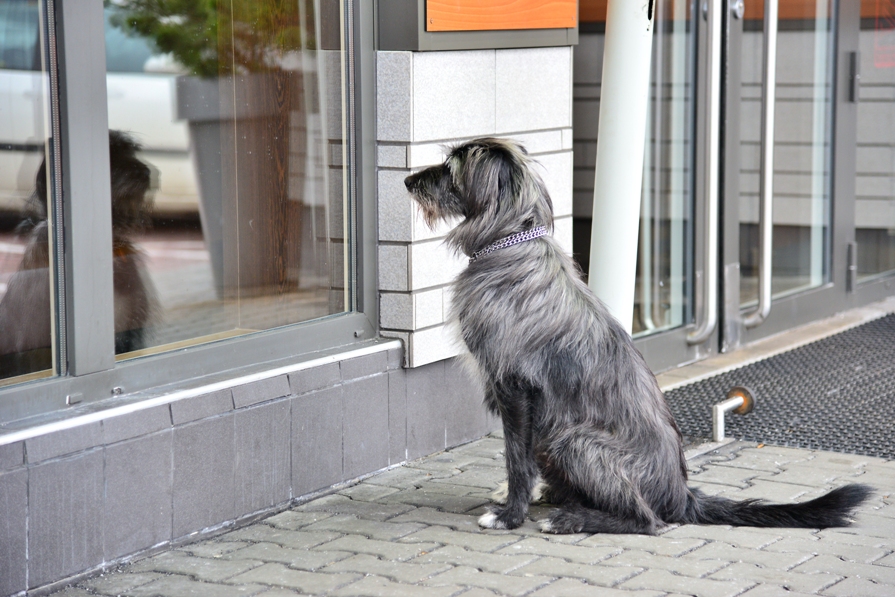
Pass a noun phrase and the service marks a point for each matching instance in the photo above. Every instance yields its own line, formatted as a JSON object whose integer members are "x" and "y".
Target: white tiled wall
{"x": 426, "y": 102}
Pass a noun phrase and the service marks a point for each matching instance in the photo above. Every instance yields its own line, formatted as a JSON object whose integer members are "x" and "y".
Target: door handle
{"x": 766, "y": 197}
{"x": 709, "y": 288}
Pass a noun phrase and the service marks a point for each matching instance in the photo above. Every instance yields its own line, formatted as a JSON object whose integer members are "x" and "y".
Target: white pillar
{"x": 622, "y": 128}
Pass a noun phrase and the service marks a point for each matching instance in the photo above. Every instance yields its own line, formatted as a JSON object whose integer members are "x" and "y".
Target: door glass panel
{"x": 228, "y": 147}
{"x": 802, "y": 147}
{"x": 662, "y": 299}
{"x": 875, "y": 185}
{"x": 27, "y": 322}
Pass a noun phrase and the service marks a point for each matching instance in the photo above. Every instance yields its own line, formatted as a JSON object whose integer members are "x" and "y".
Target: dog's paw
{"x": 562, "y": 521}
{"x": 489, "y": 520}
{"x": 540, "y": 494}
{"x": 501, "y": 518}
{"x": 500, "y": 495}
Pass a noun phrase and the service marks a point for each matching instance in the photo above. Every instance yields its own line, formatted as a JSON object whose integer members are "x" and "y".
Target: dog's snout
{"x": 408, "y": 182}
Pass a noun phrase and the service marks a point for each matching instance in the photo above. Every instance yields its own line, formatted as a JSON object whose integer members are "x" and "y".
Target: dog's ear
{"x": 498, "y": 191}
{"x": 487, "y": 180}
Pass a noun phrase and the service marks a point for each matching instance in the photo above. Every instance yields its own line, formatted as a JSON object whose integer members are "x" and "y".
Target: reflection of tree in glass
{"x": 211, "y": 37}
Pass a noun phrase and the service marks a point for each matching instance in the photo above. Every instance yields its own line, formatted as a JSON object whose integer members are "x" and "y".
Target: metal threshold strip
{"x": 835, "y": 394}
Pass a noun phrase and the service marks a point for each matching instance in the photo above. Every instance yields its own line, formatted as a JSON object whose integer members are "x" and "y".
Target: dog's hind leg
{"x": 597, "y": 485}
{"x": 577, "y": 518}
{"x": 514, "y": 404}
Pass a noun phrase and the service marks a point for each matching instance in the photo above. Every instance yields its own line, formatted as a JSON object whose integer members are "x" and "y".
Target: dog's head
{"x": 491, "y": 184}
{"x": 130, "y": 182}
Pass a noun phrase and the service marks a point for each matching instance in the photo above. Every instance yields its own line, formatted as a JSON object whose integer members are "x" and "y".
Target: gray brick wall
{"x": 76, "y": 500}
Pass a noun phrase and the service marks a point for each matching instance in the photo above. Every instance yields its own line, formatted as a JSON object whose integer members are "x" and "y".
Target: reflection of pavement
{"x": 179, "y": 267}
{"x": 180, "y": 271}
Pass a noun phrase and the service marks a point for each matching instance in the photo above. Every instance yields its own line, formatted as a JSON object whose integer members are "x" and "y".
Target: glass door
{"x": 671, "y": 250}
{"x": 664, "y": 302}
{"x": 769, "y": 173}
{"x": 798, "y": 154}
{"x": 874, "y": 94}
{"x": 782, "y": 109}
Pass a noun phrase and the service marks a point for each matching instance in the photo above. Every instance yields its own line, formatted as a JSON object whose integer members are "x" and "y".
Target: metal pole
{"x": 620, "y": 144}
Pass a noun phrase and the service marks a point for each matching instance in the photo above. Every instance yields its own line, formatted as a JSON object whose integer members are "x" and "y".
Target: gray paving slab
{"x": 118, "y": 584}
{"x": 859, "y": 587}
{"x": 401, "y": 572}
{"x": 412, "y": 531}
{"x": 184, "y": 585}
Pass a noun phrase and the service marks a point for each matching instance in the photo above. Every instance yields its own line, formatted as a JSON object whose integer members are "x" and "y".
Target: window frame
{"x": 87, "y": 373}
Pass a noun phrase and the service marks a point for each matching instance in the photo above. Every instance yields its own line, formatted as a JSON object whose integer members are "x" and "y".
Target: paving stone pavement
{"x": 412, "y": 531}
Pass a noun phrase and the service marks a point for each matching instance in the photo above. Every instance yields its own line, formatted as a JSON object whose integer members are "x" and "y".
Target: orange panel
{"x": 493, "y": 15}
{"x": 878, "y": 9}
{"x": 592, "y": 11}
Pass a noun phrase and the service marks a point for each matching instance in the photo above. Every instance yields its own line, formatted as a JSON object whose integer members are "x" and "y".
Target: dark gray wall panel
{"x": 263, "y": 459}
{"x": 204, "y": 474}
{"x": 365, "y": 426}
{"x": 316, "y": 440}
{"x": 65, "y": 515}
{"x": 426, "y": 410}
{"x": 13, "y": 511}
{"x": 138, "y": 494}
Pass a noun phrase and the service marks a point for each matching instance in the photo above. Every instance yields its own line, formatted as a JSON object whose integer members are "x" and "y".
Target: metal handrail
{"x": 766, "y": 199}
{"x": 709, "y": 289}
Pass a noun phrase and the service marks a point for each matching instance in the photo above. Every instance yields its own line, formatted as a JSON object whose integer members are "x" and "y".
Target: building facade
{"x": 217, "y": 299}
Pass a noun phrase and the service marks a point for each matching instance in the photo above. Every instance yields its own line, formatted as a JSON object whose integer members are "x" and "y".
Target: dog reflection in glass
{"x": 25, "y": 312}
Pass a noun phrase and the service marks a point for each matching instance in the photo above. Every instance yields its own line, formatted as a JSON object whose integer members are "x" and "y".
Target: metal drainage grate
{"x": 836, "y": 394}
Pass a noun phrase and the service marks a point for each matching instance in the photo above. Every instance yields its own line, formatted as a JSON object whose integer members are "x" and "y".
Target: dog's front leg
{"x": 515, "y": 413}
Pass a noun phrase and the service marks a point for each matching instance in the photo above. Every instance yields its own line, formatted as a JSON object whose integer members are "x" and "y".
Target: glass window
{"x": 26, "y": 222}
{"x": 875, "y": 187}
{"x": 228, "y": 153}
{"x": 663, "y": 298}
{"x": 803, "y": 131}
{"x": 663, "y": 295}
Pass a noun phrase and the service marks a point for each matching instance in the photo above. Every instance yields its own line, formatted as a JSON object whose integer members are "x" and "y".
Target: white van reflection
{"x": 140, "y": 89}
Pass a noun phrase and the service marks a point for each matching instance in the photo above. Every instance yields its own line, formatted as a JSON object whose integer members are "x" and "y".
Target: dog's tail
{"x": 833, "y": 509}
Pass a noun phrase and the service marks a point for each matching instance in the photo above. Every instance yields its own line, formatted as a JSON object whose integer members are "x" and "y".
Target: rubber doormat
{"x": 836, "y": 394}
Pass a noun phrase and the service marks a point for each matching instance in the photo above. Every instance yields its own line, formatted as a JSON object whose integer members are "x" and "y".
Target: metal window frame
{"x": 880, "y": 286}
{"x": 91, "y": 370}
{"x": 668, "y": 349}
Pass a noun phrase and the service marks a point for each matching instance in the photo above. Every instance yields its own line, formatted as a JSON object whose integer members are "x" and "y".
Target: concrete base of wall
{"x": 87, "y": 497}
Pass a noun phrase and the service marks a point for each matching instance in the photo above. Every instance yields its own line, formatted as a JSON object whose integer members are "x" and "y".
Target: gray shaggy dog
{"x": 579, "y": 406}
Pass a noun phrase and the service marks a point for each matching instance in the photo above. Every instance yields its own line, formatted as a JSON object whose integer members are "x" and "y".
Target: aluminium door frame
{"x": 664, "y": 350}
{"x": 668, "y": 349}
{"x": 883, "y": 286}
